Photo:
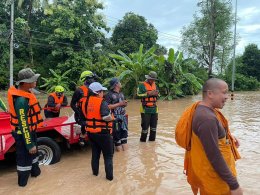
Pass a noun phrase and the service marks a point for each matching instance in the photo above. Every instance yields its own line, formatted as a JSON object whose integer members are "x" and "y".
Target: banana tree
{"x": 132, "y": 69}
{"x": 172, "y": 78}
{"x": 56, "y": 79}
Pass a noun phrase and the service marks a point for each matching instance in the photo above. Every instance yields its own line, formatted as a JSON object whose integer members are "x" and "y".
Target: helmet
{"x": 86, "y": 74}
{"x": 59, "y": 89}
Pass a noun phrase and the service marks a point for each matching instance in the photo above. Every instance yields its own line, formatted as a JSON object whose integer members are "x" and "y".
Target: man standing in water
{"x": 210, "y": 159}
{"x": 99, "y": 128}
{"x": 82, "y": 93}
{"x": 148, "y": 91}
{"x": 117, "y": 103}
{"x": 26, "y": 117}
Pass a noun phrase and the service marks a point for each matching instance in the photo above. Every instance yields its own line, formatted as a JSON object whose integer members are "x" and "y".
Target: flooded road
{"x": 152, "y": 167}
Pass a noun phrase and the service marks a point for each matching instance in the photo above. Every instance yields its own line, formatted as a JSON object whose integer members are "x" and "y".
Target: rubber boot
{"x": 143, "y": 137}
{"x": 23, "y": 177}
{"x": 152, "y": 135}
{"x": 36, "y": 171}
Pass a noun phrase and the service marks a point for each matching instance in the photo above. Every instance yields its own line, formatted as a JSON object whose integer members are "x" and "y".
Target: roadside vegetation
{"x": 60, "y": 39}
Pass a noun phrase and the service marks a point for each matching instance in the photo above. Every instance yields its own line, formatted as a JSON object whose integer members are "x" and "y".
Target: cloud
{"x": 248, "y": 13}
{"x": 251, "y": 28}
{"x": 106, "y": 3}
{"x": 241, "y": 46}
{"x": 170, "y": 38}
{"x": 170, "y": 11}
{"x": 169, "y": 16}
{"x": 169, "y": 43}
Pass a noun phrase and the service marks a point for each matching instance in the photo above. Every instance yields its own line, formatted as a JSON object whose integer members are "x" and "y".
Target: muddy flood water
{"x": 147, "y": 168}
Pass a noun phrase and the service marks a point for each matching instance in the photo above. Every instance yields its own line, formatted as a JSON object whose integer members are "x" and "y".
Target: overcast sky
{"x": 169, "y": 16}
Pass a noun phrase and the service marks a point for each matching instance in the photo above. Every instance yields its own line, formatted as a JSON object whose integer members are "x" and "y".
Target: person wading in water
{"x": 26, "y": 117}
{"x": 117, "y": 103}
{"x": 56, "y": 100}
{"x": 211, "y": 150}
{"x": 149, "y": 92}
{"x": 81, "y": 94}
{"x": 99, "y": 128}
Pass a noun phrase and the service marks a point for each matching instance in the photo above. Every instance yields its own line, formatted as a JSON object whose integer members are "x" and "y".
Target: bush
{"x": 242, "y": 82}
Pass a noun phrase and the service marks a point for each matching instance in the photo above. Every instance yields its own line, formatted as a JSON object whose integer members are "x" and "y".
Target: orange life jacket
{"x": 34, "y": 112}
{"x": 84, "y": 88}
{"x": 95, "y": 123}
{"x": 57, "y": 100}
{"x": 151, "y": 100}
{"x": 200, "y": 173}
{"x": 83, "y": 100}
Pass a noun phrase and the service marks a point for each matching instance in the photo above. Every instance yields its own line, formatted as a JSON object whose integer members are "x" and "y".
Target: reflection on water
{"x": 152, "y": 167}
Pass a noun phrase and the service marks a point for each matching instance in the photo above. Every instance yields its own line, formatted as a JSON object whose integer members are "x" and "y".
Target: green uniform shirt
{"x": 142, "y": 93}
{"x": 2, "y": 105}
{"x": 21, "y": 109}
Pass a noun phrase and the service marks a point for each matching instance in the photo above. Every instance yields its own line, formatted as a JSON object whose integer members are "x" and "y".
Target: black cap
{"x": 113, "y": 82}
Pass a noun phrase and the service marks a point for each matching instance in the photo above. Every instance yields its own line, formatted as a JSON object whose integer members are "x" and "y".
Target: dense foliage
{"x": 61, "y": 39}
{"x": 173, "y": 79}
{"x": 247, "y": 75}
{"x": 131, "y": 31}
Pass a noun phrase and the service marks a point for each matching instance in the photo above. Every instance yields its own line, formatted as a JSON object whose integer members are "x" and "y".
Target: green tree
{"x": 60, "y": 36}
{"x": 194, "y": 67}
{"x": 4, "y": 46}
{"x": 161, "y": 50}
{"x": 251, "y": 61}
{"x": 101, "y": 67}
{"x": 243, "y": 80}
{"x": 174, "y": 78}
{"x": 132, "y": 68}
{"x": 32, "y": 6}
{"x": 76, "y": 28}
{"x": 132, "y": 31}
{"x": 27, "y": 17}
{"x": 29, "y": 14}
{"x": 209, "y": 38}
{"x": 56, "y": 79}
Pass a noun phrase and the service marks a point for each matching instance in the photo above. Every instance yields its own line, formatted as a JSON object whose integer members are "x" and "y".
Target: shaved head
{"x": 212, "y": 84}
{"x": 215, "y": 93}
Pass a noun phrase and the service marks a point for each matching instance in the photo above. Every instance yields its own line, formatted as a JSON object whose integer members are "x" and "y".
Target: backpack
{"x": 183, "y": 128}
